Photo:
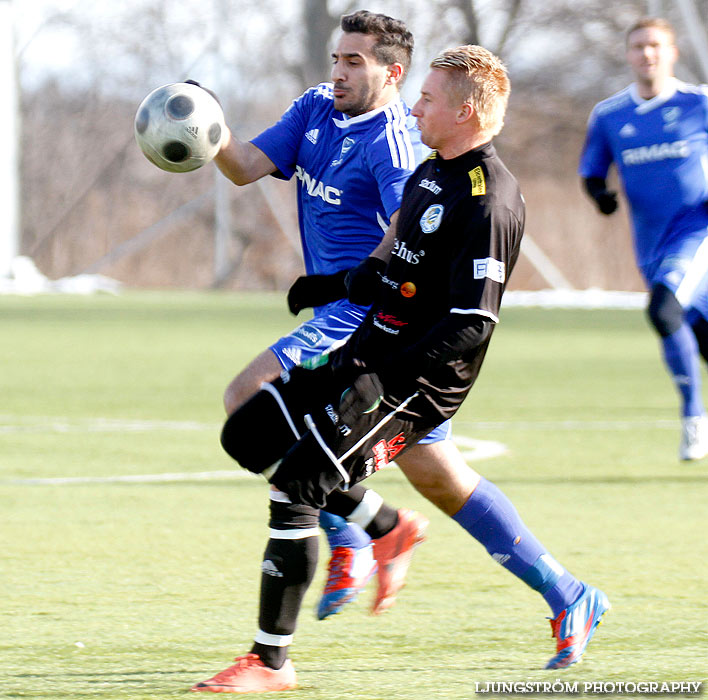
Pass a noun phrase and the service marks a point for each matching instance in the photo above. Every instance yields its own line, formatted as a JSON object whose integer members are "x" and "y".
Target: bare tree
{"x": 319, "y": 25}
{"x": 87, "y": 190}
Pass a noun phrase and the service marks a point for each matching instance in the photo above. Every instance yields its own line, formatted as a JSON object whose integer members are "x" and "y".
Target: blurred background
{"x": 79, "y": 197}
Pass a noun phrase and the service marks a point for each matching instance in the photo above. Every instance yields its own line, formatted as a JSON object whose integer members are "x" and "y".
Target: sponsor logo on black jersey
{"x": 389, "y": 282}
{"x": 388, "y": 323}
{"x": 489, "y": 267}
{"x": 400, "y": 251}
{"x": 408, "y": 289}
{"x": 479, "y": 184}
{"x": 432, "y": 218}
{"x": 430, "y": 185}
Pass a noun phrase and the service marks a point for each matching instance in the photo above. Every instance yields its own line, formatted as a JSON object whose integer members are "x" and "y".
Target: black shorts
{"x": 292, "y": 432}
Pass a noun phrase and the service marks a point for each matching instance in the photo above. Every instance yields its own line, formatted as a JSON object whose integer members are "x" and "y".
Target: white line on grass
{"x": 475, "y": 450}
{"x": 541, "y": 425}
{"x": 40, "y": 424}
{"x": 472, "y": 449}
{"x": 133, "y": 478}
{"x": 48, "y": 424}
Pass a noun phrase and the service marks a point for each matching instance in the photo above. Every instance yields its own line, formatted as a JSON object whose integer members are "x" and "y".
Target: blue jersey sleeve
{"x": 392, "y": 159}
{"x": 281, "y": 142}
{"x": 596, "y": 156}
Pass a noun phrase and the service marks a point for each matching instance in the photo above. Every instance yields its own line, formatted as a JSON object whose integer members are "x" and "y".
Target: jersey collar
{"x": 644, "y": 106}
{"x": 468, "y": 159}
{"x": 346, "y": 122}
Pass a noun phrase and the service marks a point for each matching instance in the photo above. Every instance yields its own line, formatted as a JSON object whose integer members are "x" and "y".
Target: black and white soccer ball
{"x": 179, "y": 127}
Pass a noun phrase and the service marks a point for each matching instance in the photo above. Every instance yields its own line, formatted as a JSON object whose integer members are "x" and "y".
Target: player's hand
{"x": 364, "y": 396}
{"x": 211, "y": 92}
{"x": 315, "y": 290}
{"x": 363, "y": 280}
{"x": 606, "y": 201}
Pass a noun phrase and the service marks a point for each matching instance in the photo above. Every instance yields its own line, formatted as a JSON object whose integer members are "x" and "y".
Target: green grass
{"x": 138, "y": 590}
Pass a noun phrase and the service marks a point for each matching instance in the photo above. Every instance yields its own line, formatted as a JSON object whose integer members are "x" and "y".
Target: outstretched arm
{"x": 241, "y": 161}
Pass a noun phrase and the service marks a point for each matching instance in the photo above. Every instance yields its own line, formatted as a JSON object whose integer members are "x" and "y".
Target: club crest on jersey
{"x": 346, "y": 147}
{"x": 432, "y": 218}
{"x": 671, "y": 116}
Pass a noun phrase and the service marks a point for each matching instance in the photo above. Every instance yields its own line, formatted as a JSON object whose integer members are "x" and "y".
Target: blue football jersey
{"x": 350, "y": 173}
{"x": 660, "y": 149}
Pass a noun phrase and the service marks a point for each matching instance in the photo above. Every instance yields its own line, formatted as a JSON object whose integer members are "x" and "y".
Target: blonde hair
{"x": 479, "y": 77}
{"x": 655, "y": 22}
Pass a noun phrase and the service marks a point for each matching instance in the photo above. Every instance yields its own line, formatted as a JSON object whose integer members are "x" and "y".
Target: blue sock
{"x": 491, "y": 518}
{"x": 341, "y": 533}
{"x": 681, "y": 355}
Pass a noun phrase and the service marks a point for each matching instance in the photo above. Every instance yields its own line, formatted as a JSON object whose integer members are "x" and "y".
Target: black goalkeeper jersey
{"x": 458, "y": 236}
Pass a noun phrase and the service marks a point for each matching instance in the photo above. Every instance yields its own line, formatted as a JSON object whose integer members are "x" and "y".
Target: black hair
{"x": 394, "y": 43}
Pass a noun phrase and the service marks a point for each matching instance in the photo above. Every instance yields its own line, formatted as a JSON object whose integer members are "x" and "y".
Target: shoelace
{"x": 242, "y": 662}
{"x": 692, "y": 432}
{"x": 338, "y": 567}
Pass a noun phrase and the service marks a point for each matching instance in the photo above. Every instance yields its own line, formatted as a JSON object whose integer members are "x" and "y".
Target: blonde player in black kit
{"x": 407, "y": 368}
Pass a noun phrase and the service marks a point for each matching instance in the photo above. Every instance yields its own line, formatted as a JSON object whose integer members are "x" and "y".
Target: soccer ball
{"x": 179, "y": 126}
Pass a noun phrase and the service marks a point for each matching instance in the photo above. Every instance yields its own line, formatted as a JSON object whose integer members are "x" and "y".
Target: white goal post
{"x": 9, "y": 128}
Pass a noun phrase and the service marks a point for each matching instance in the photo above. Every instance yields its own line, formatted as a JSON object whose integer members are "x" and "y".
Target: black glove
{"x": 211, "y": 92}
{"x": 362, "y": 281}
{"x": 605, "y": 199}
{"x": 362, "y": 397}
{"x": 316, "y": 290}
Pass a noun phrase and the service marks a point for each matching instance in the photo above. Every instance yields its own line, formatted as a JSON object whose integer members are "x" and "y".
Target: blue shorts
{"x": 330, "y": 328}
{"x": 683, "y": 268}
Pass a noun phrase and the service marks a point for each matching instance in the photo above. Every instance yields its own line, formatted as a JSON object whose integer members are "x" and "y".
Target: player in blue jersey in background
{"x": 656, "y": 133}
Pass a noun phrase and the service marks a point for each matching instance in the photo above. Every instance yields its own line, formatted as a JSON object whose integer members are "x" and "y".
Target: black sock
{"x": 344, "y": 502}
{"x": 288, "y": 567}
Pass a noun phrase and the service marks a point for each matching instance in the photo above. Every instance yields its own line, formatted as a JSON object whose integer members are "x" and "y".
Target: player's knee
{"x": 664, "y": 311}
{"x": 257, "y": 434}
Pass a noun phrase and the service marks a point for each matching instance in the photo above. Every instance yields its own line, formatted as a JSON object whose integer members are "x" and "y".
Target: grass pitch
{"x": 119, "y": 585}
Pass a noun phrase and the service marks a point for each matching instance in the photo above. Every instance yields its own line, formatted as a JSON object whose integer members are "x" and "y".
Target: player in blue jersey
{"x": 351, "y": 145}
{"x": 656, "y": 133}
